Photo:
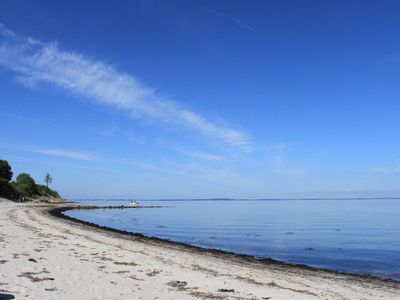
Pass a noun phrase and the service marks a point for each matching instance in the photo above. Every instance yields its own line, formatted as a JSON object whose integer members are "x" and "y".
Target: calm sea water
{"x": 352, "y": 235}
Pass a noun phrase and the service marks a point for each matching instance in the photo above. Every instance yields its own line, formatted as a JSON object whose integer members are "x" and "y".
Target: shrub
{"x": 5, "y": 170}
{"x": 45, "y": 191}
{"x": 7, "y": 190}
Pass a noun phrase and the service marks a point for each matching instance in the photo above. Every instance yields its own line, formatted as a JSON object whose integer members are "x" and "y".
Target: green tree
{"x": 48, "y": 179}
{"x": 26, "y": 185}
{"x": 5, "y": 170}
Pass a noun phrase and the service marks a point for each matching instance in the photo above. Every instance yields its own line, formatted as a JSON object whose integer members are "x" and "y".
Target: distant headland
{"x": 24, "y": 188}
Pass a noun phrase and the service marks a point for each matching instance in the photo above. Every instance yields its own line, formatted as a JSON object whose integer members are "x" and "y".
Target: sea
{"x": 360, "y": 236}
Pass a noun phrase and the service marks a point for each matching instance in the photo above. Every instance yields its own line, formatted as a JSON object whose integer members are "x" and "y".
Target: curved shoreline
{"x": 44, "y": 256}
{"x": 58, "y": 212}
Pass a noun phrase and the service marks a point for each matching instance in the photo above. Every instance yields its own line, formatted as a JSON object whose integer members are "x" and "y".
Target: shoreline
{"x": 58, "y": 212}
{"x": 44, "y": 256}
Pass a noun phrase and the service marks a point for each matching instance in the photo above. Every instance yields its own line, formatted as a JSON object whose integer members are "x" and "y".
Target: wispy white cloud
{"x": 159, "y": 169}
{"x": 64, "y": 153}
{"x": 203, "y": 155}
{"x": 55, "y": 152}
{"x": 229, "y": 18}
{"x": 281, "y": 146}
{"x": 193, "y": 170}
{"x": 36, "y": 62}
{"x": 42, "y": 161}
{"x": 13, "y": 116}
{"x": 5, "y": 31}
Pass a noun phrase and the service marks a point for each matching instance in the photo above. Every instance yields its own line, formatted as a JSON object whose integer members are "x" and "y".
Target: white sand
{"x": 43, "y": 257}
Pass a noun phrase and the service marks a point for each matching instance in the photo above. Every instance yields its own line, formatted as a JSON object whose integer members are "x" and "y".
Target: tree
{"x": 48, "y": 179}
{"x": 25, "y": 178}
{"x": 7, "y": 190}
{"x": 26, "y": 185}
{"x": 5, "y": 170}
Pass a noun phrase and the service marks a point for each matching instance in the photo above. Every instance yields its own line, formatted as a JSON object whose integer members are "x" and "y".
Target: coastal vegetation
{"x": 24, "y": 187}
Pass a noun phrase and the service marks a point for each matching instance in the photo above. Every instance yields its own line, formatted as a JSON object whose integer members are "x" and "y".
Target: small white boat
{"x": 134, "y": 203}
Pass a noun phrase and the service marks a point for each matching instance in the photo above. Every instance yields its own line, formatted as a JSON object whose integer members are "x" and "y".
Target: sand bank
{"x": 44, "y": 257}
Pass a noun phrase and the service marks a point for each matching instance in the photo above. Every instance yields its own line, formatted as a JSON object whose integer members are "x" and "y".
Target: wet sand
{"x": 46, "y": 257}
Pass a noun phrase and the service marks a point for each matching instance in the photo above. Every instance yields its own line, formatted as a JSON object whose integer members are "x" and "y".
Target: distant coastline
{"x": 238, "y": 199}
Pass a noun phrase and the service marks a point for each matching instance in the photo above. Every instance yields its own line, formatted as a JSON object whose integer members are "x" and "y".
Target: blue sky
{"x": 193, "y": 99}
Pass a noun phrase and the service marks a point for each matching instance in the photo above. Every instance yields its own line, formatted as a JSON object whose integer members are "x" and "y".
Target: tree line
{"x": 24, "y": 186}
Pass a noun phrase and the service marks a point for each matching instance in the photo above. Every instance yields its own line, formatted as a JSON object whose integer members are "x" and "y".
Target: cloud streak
{"x": 203, "y": 155}
{"x": 13, "y": 116}
{"x": 63, "y": 153}
{"x": 36, "y": 62}
{"x": 60, "y": 153}
{"x": 229, "y": 18}
{"x": 55, "y": 152}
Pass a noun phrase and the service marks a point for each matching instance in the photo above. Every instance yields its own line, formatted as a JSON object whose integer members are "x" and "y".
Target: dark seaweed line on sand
{"x": 59, "y": 213}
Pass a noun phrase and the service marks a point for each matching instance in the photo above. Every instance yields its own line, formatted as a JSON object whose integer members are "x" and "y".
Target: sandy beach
{"x": 45, "y": 257}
